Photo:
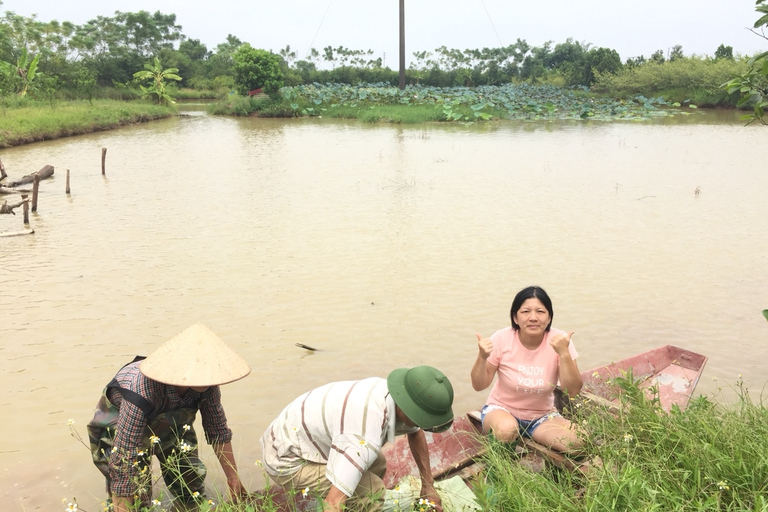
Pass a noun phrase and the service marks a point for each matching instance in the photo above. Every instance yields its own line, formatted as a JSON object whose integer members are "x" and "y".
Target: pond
{"x": 382, "y": 246}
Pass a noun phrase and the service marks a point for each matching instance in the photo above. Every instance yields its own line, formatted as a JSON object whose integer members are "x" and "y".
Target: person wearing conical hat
{"x": 328, "y": 441}
{"x": 149, "y": 408}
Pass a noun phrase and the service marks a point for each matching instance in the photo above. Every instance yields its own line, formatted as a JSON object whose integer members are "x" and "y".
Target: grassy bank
{"x": 25, "y": 122}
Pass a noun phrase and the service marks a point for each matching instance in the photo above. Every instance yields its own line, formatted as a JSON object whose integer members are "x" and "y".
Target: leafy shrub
{"x": 257, "y": 69}
{"x": 685, "y": 73}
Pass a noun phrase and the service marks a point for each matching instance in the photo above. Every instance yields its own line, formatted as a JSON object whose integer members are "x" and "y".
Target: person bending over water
{"x": 149, "y": 408}
{"x": 530, "y": 358}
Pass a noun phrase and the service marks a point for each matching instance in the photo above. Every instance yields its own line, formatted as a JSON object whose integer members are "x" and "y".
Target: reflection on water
{"x": 382, "y": 246}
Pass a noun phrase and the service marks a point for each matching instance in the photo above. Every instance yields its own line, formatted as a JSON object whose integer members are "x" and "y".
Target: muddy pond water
{"x": 382, "y": 246}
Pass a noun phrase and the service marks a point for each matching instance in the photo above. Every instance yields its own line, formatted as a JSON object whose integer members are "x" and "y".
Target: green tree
{"x": 220, "y": 63}
{"x": 329, "y": 56}
{"x": 84, "y": 81}
{"x": 533, "y": 68}
{"x": 115, "y": 46}
{"x": 634, "y": 62}
{"x": 192, "y": 60}
{"x": 753, "y": 85}
{"x": 288, "y": 55}
{"x": 145, "y": 34}
{"x": 194, "y": 49}
{"x": 724, "y": 52}
{"x": 257, "y": 69}
{"x": 601, "y": 60}
{"x": 569, "y": 60}
{"x": 569, "y": 51}
{"x": 158, "y": 76}
{"x": 306, "y": 69}
{"x": 676, "y": 53}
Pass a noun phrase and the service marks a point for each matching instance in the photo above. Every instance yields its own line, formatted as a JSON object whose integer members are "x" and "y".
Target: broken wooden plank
{"x": 44, "y": 173}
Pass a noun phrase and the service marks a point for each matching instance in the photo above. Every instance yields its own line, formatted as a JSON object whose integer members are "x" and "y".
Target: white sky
{"x": 632, "y": 27}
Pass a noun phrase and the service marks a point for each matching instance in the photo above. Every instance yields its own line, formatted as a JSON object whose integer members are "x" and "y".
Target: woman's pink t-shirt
{"x": 526, "y": 379}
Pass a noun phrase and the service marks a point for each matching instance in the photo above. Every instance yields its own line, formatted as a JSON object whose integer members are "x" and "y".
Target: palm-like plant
{"x": 158, "y": 76}
{"x": 24, "y": 71}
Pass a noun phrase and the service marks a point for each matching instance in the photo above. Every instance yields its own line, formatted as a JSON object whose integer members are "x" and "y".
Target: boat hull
{"x": 671, "y": 371}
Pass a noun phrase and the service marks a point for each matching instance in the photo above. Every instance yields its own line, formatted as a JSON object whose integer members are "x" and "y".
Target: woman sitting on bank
{"x": 530, "y": 358}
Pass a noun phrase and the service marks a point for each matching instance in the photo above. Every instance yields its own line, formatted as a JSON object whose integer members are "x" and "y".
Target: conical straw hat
{"x": 196, "y": 357}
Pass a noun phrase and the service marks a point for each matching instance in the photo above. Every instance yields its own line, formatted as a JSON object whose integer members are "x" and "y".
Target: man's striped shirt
{"x": 341, "y": 424}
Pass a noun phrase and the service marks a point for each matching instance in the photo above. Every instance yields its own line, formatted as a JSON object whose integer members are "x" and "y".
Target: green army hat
{"x": 425, "y": 395}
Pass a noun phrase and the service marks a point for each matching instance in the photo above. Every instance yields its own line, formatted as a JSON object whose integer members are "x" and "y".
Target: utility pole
{"x": 402, "y": 45}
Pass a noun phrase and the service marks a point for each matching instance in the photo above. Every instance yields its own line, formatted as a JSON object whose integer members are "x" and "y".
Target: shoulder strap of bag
{"x": 131, "y": 396}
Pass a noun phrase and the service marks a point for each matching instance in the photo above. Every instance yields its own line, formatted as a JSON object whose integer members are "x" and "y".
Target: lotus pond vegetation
{"x": 386, "y": 103}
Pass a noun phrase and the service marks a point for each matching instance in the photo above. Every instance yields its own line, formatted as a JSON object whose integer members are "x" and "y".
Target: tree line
{"x": 47, "y": 58}
{"x": 105, "y": 52}
{"x": 570, "y": 63}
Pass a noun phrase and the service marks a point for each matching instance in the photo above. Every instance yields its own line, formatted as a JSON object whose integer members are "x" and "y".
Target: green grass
{"x": 25, "y": 122}
{"x": 196, "y": 94}
{"x": 709, "y": 458}
{"x": 397, "y": 114}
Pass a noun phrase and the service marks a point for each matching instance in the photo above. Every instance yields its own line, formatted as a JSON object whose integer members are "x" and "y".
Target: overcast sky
{"x": 632, "y": 27}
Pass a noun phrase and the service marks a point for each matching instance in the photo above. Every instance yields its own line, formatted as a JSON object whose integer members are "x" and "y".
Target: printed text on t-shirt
{"x": 527, "y": 379}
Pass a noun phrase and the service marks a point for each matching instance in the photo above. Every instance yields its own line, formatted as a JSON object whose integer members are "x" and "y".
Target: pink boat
{"x": 673, "y": 371}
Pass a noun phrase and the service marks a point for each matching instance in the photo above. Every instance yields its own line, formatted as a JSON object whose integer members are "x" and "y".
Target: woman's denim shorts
{"x": 525, "y": 427}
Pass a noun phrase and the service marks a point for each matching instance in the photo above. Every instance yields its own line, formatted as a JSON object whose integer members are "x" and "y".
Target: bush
{"x": 257, "y": 69}
{"x": 651, "y": 78}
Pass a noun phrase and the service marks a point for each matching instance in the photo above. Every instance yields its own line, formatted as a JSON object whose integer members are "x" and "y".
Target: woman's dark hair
{"x": 532, "y": 292}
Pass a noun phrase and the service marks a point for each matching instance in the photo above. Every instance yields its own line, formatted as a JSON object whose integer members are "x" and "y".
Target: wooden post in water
{"x": 103, "y": 161}
{"x": 26, "y": 210}
{"x": 35, "y": 188}
{"x": 67, "y": 181}
{"x": 2, "y": 171}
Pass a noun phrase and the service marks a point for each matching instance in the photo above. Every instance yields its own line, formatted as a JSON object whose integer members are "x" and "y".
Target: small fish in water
{"x": 306, "y": 347}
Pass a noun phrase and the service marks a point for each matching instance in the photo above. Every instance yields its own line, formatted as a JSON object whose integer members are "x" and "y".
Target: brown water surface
{"x": 382, "y": 246}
